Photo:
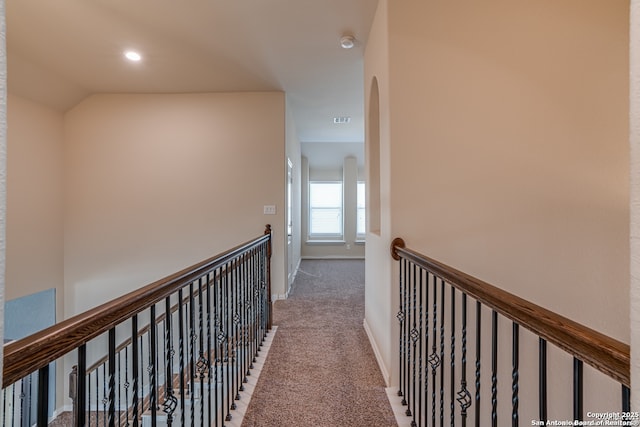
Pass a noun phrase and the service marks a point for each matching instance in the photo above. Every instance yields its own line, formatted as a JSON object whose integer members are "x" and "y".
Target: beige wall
{"x": 380, "y": 307}
{"x": 3, "y": 169}
{"x": 155, "y": 183}
{"x": 508, "y": 132}
{"x": 34, "y": 200}
{"x": 635, "y": 202}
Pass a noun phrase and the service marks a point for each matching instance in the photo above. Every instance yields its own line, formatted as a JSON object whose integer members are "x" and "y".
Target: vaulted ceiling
{"x": 61, "y": 51}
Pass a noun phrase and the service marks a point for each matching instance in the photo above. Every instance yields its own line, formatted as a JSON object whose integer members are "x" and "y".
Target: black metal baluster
{"x": 216, "y": 350}
{"x": 97, "y": 371}
{"x": 426, "y": 347}
{"x": 29, "y": 399}
{"x": 153, "y": 381}
{"x": 236, "y": 332}
{"x": 141, "y": 391}
{"x": 43, "y": 397}
{"x": 191, "y": 354}
{"x": 13, "y": 405}
{"x": 227, "y": 344}
{"x": 494, "y": 368}
{"x": 442, "y": 360}
{"x": 246, "y": 304}
{"x": 181, "y": 371}
{"x": 209, "y": 286}
{"x": 242, "y": 365}
{"x": 22, "y": 403}
{"x": 434, "y": 360}
{"x": 464, "y": 398}
{"x": 420, "y": 334}
{"x": 81, "y": 396}
{"x": 105, "y": 398}
{"x": 478, "y": 361}
{"x": 170, "y": 401}
{"x": 515, "y": 374}
{"x": 134, "y": 372}
{"x": 452, "y": 385}
{"x": 401, "y": 317}
{"x": 127, "y": 384}
{"x": 202, "y": 366}
{"x": 626, "y": 399}
{"x": 542, "y": 380}
{"x": 577, "y": 389}
{"x": 119, "y": 354}
{"x": 413, "y": 335}
{"x": 4, "y": 404}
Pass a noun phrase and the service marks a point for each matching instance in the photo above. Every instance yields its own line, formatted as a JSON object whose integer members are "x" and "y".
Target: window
{"x": 325, "y": 209}
{"x": 360, "y": 203}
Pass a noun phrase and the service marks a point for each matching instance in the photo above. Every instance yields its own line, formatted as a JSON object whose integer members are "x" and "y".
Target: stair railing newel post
{"x": 268, "y": 266}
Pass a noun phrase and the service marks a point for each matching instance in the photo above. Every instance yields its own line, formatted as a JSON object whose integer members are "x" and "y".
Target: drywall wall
{"x": 3, "y": 166}
{"x": 380, "y": 302}
{"x": 294, "y": 240}
{"x": 510, "y": 137}
{"x": 34, "y": 200}
{"x": 635, "y": 199}
{"x": 155, "y": 183}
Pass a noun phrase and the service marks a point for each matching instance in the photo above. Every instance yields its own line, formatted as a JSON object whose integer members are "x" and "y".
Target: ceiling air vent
{"x": 341, "y": 120}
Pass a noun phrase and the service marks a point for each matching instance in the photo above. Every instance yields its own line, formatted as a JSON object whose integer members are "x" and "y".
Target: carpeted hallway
{"x": 321, "y": 370}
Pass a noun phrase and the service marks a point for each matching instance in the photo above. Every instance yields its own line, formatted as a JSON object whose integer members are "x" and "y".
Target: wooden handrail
{"x": 36, "y": 351}
{"x": 604, "y": 353}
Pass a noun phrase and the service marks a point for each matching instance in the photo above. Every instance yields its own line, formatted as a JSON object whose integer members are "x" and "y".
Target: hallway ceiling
{"x": 62, "y": 51}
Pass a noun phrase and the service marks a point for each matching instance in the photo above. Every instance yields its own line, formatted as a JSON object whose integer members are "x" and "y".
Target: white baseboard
{"x": 333, "y": 257}
{"x": 376, "y": 351}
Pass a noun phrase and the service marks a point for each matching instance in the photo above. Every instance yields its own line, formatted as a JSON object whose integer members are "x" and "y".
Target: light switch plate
{"x": 269, "y": 209}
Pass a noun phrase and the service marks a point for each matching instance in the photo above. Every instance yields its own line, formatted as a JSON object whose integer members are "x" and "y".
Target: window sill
{"x": 325, "y": 242}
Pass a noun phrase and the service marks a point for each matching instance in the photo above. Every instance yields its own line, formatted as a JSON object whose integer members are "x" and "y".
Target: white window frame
{"x": 326, "y": 236}
{"x": 361, "y": 236}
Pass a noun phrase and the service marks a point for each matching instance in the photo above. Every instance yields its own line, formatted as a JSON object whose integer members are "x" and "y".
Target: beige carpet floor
{"x": 321, "y": 370}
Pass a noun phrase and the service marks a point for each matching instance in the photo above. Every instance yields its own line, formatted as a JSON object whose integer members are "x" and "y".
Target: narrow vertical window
{"x": 361, "y": 212}
{"x": 325, "y": 210}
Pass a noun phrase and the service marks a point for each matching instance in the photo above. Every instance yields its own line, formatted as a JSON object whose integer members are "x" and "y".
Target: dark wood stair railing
{"x": 420, "y": 278}
{"x": 233, "y": 292}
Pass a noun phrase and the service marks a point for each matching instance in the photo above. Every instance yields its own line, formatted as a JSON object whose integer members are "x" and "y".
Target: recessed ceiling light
{"x": 132, "y": 56}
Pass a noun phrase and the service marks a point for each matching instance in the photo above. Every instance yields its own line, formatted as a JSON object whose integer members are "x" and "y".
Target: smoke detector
{"x": 347, "y": 41}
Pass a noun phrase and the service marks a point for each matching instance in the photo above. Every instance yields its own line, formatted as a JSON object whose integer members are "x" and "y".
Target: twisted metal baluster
{"x": 442, "y": 360}
{"x": 192, "y": 337}
{"x": 181, "y": 349}
{"x": 203, "y": 364}
{"x": 434, "y": 360}
{"x": 208, "y": 322}
{"x": 153, "y": 380}
{"x": 170, "y": 401}
{"x": 420, "y": 334}
{"x": 464, "y": 397}
{"x": 227, "y": 327}
{"x": 452, "y": 385}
